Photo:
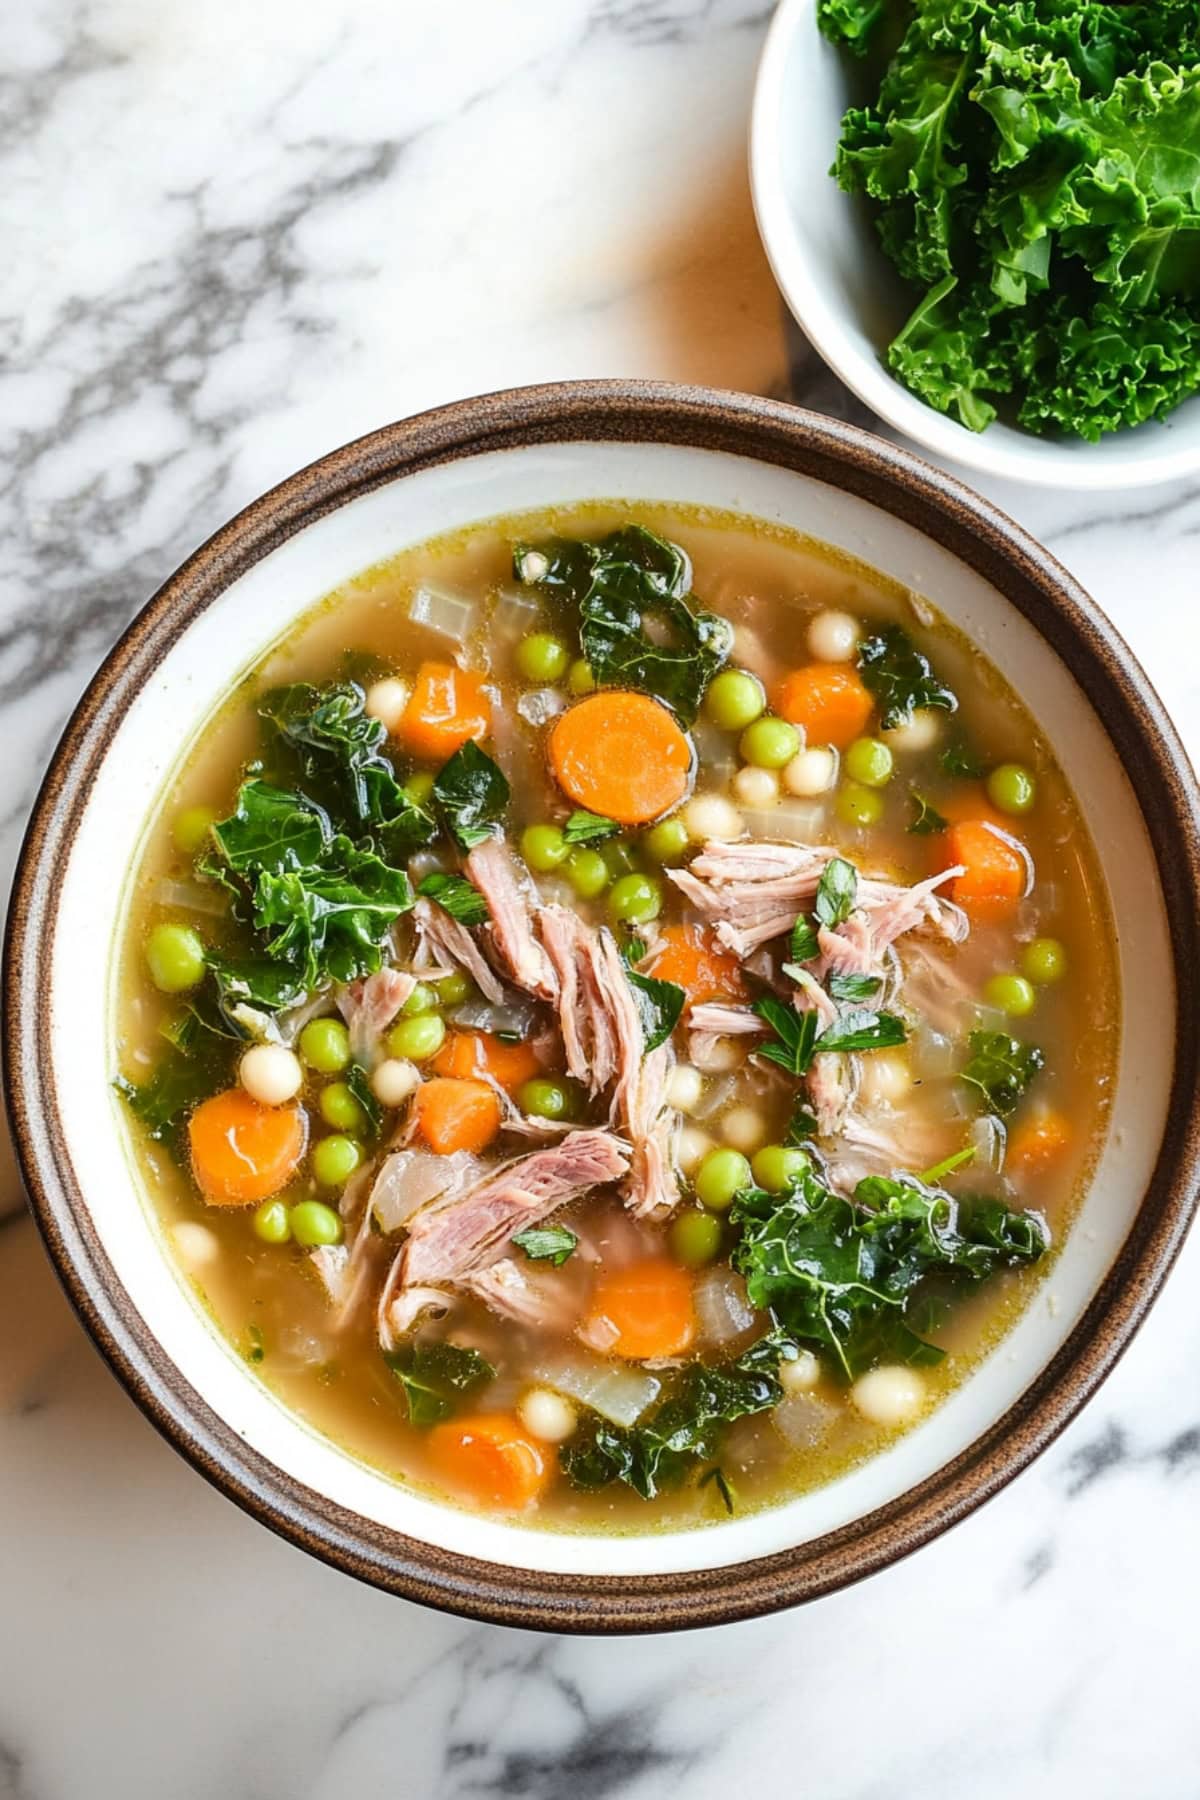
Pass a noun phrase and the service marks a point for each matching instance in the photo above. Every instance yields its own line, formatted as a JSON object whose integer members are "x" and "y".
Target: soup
{"x": 602, "y": 1015}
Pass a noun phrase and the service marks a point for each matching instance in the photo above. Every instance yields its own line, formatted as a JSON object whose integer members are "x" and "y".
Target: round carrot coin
{"x": 490, "y": 1459}
{"x": 242, "y": 1151}
{"x": 623, "y": 756}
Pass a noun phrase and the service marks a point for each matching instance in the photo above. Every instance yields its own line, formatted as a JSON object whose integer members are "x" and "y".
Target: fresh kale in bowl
{"x": 1036, "y": 169}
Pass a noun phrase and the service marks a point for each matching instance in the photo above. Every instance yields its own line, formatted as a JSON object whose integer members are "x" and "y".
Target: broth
{"x": 906, "y": 1106}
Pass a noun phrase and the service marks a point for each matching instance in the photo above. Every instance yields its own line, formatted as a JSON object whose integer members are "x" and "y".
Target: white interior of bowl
{"x": 196, "y": 675}
{"x": 849, "y": 301}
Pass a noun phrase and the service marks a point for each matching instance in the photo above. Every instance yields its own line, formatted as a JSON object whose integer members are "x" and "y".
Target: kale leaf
{"x": 330, "y": 919}
{"x": 338, "y": 750}
{"x": 1000, "y": 1069}
{"x": 853, "y": 23}
{"x": 926, "y": 819}
{"x": 836, "y": 892}
{"x": 588, "y": 828}
{"x": 900, "y": 678}
{"x": 840, "y": 1273}
{"x": 456, "y": 896}
{"x": 436, "y": 1376}
{"x": 795, "y": 1035}
{"x": 470, "y": 794}
{"x": 858, "y": 1028}
{"x": 684, "y": 1429}
{"x": 617, "y": 584}
{"x": 660, "y": 1005}
{"x": 547, "y": 1243}
{"x": 853, "y": 987}
{"x": 1034, "y": 170}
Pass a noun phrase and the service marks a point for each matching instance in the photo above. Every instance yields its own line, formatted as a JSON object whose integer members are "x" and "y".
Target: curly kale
{"x": 1036, "y": 169}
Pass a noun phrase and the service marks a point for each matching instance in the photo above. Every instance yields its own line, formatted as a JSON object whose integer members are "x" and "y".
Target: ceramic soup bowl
{"x": 177, "y": 662}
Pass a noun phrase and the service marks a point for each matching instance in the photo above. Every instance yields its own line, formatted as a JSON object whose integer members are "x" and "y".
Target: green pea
{"x": 1010, "y": 994}
{"x": 620, "y": 857}
{"x": 175, "y": 956}
{"x": 541, "y": 657}
{"x": 769, "y": 743}
{"x": 543, "y": 1098}
{"x": 189, "y": 833}
{"x": 719, "y": 1178}
{"x": 423, "y": 999}
{"x": 580, "y": 680}
{"x": 667, "y": 841}
{"x": 333, "y": 1163}
{"x": 775, "y": 1165}
{"x": 858, "y": 805}
{"x": 635, "y": 899}
{"x": 544, "y": 847}
{"x": 314, "y": 1223}
{"x": 419, "y": 786}
{"x": 417, "y": 1039}
{"x": 1011, "y": 788}
{"x": 735, "y": 699}
{"x": 869, "y": 762}
{"x": 340, "y": 1109}
{"x": 455, "y": 988}
{"x": 325, "y": 1046}
{"x": 695, "y": 1238}
{"x": 587, "y": 872}
{"x": 270, "y": 1222}
{"x": 1044, "y": 961}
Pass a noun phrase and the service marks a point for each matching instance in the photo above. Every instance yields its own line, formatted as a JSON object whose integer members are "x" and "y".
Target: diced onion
{"x": 713, "y": 1096}
{"x": 990, "y": 1138}
{"x": 541, "y": 705}
{"x": 722, "y": 1310}
{"x": 410, "y": 1179}
{"x": 487, "y": 1015}
{"x": 191, "y": 896}
{"x": 792, "y": 821}
{"x": 447, "y": 614}
{"x": 803, "y": 1420}
{"x": 620, "y": 1395}
{"x": 934, "y": 1054}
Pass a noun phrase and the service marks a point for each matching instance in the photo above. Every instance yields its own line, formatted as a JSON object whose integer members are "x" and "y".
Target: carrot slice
{"x": 690, "y": 956}
{"x": 1039, "y": 1142}
{"x": 242, "y": 1151}
{"x": 457, "y": 1115}
{"x": 621, "y": 755}
{"x": 469, "y": 1054}
{"x": 648, "y": 1305}
{"x": 828, "y": 700}
{"x": 490, "y": 1459}
{"x": 446, "y": 708}
{"x": 995, "y": 872}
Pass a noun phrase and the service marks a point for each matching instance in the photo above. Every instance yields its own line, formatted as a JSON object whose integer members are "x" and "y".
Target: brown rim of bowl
{"x": 766, "y": 431}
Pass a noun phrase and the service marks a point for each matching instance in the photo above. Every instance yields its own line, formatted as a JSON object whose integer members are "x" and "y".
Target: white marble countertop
{"x": 236, "y": 235}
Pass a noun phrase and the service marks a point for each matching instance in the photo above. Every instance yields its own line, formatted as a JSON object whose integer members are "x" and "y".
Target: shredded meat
{"x": 447, "y": 1242}
{"x": 830, "y": 1081}
{"x": 368, "y": 1007}
{"x": 576, "y": 954}
{"x": 454, "y": 944}
{"x": 538, "y": 1298}
{"x": 849, "y": 948}
{"x": 724, "y": 1021}
{"x": 752, "y": 892}
{"x": 490, "y": 866}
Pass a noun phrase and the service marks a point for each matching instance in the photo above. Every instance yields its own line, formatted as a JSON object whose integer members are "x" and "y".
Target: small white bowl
{"x": 849, "y": 302}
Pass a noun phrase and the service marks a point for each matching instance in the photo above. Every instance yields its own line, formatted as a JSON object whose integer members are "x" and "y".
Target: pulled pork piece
{"x": 830, "y": 1082}
{"x": 652, "y": 1190}
{"x": 848, "y": 948}
{"x": 724, "y": 1021}
{"x": 368, "y": 1007}
{"x": 883, "y": 1141}
{"x": 493, "y": 871}
{"x": 396, "y": 1316}
{"x": 589, "y": 1038}
{"x": 538, "y": 1298}
{"x": 453, "y": 943}
{"x": 447, "y": 1242}
{"x": 752, "y": 892}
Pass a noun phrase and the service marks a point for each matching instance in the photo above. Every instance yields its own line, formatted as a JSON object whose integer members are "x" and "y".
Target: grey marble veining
{"x": 235, "y": 237}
